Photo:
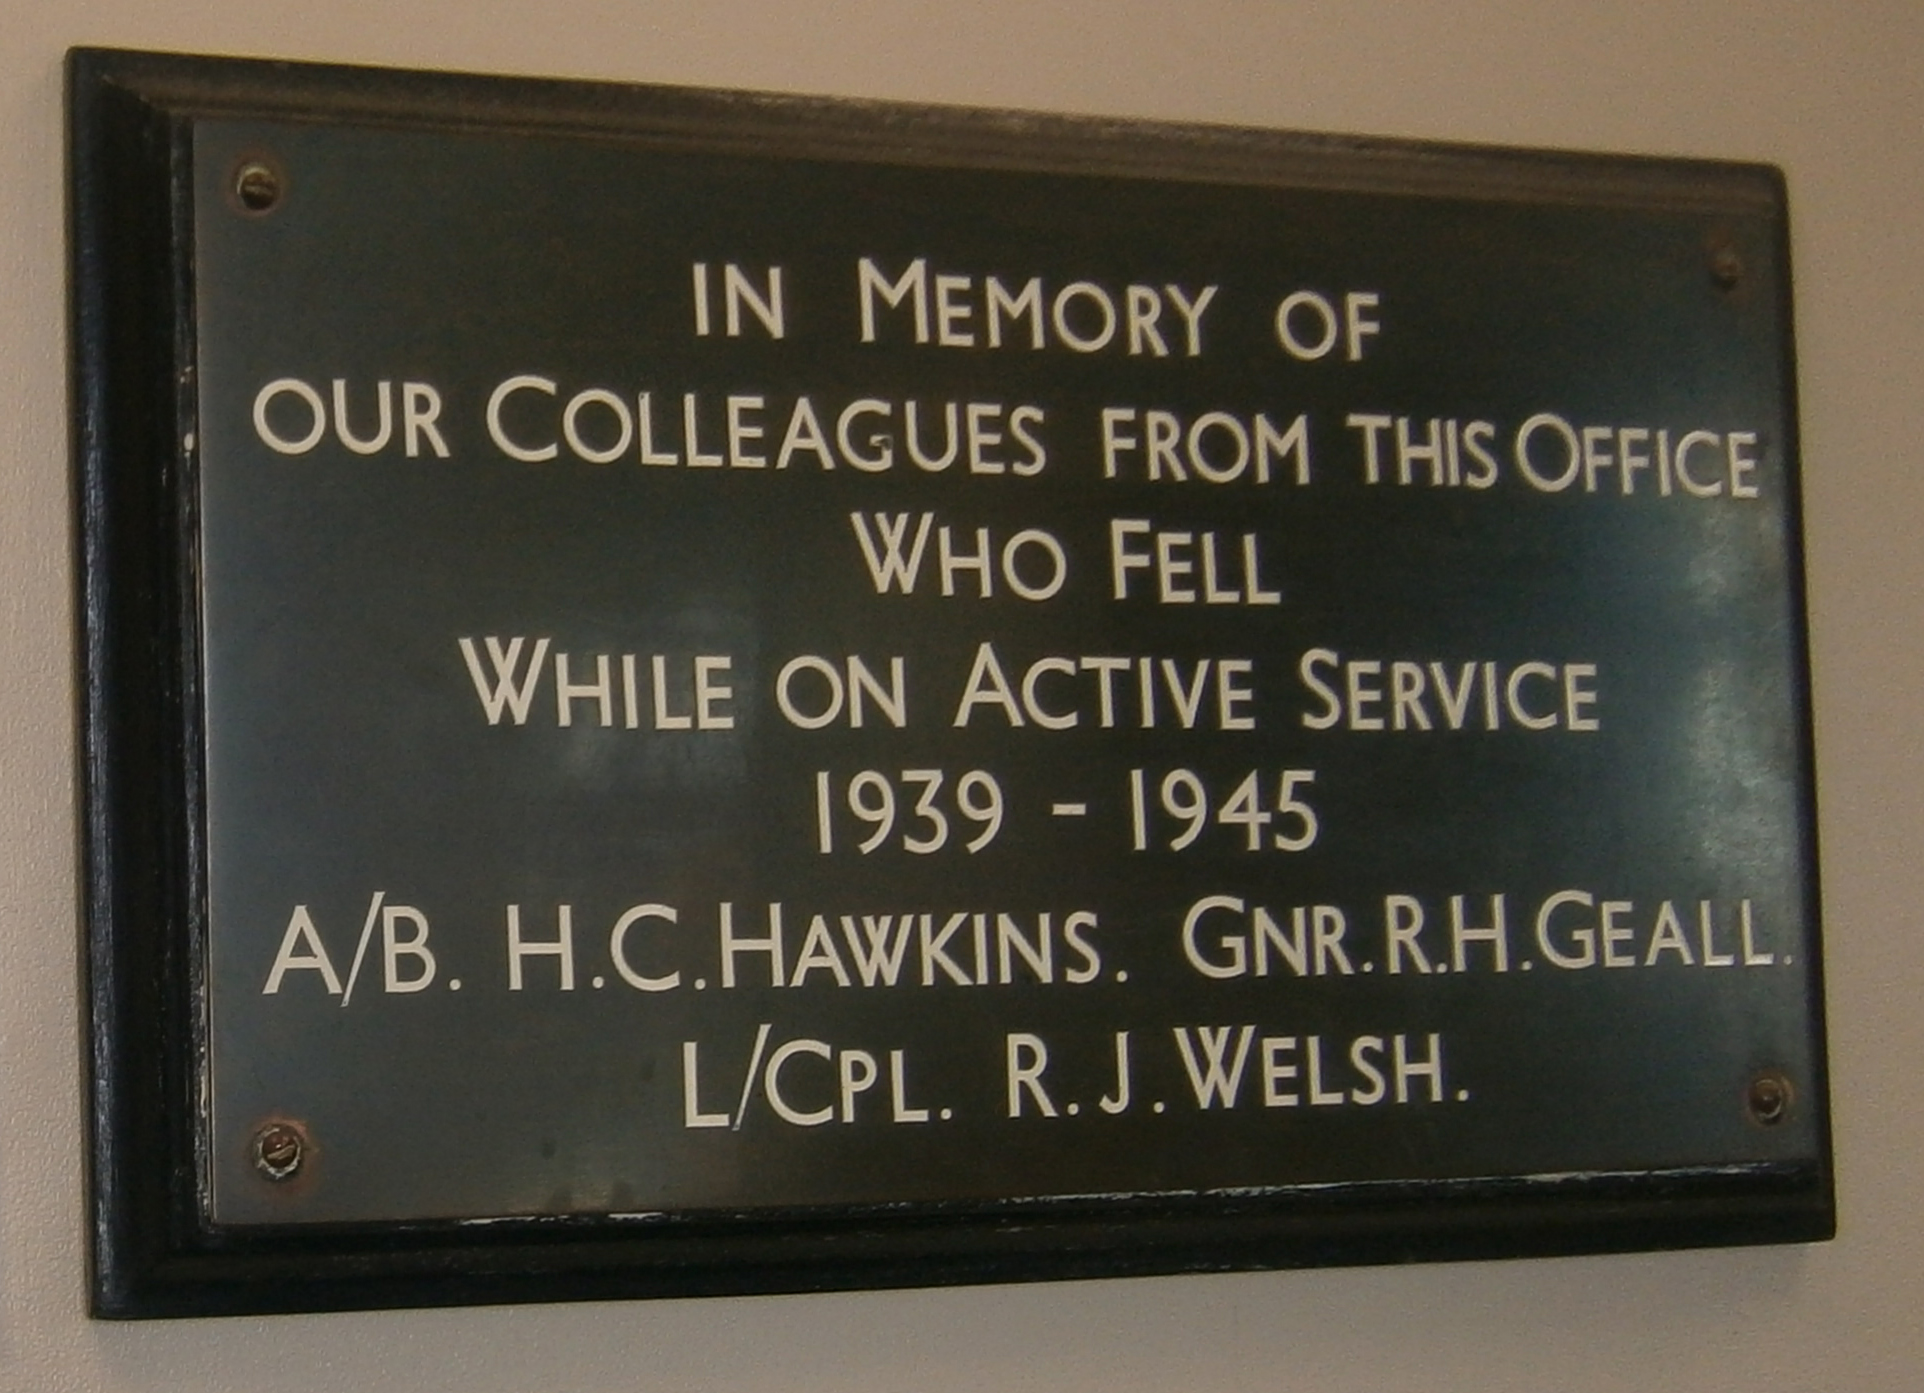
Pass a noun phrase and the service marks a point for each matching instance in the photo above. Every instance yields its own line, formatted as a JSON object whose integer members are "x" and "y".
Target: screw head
{"x": 257, "y": 186}
{"x": 1726, "y": 266}
{"x": 279, "y": 1150}
{"x": 1768, "y": 1098}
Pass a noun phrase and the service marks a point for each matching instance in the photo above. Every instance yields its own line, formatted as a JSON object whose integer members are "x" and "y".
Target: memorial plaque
{"x": 691, "y": 692}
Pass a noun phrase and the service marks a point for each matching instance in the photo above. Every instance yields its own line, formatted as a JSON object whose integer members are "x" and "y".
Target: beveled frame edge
{"x": 153, "y": 1253}
{"x": 852, "y": 129}
{"x": 138, "y": 860}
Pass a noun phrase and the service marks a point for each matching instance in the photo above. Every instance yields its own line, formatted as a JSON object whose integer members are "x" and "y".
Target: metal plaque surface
{"x": 748, "y": 667}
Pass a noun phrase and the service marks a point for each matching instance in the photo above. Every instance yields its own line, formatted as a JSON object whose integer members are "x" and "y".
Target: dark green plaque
{"x": 770, "y": 694}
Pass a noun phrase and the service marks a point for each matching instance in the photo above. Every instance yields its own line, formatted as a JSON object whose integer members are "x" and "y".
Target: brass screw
{"x": 257, "y": 186}
{"x": 279, "y": 1149}
{"x": 1768, "y": 1099}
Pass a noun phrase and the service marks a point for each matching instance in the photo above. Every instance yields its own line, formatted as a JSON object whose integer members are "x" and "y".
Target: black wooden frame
{"x": 154, "y": 1252}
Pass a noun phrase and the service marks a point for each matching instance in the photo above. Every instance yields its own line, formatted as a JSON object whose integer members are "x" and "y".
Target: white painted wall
{"x": 1830, "y": 89}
